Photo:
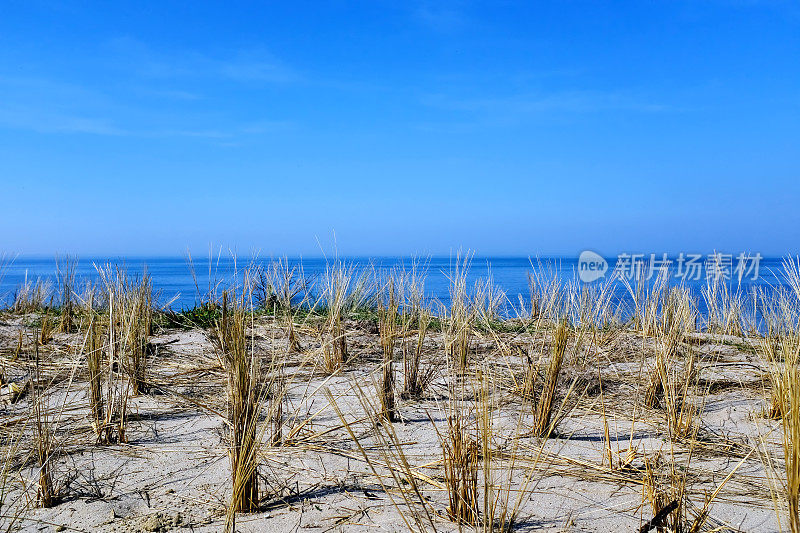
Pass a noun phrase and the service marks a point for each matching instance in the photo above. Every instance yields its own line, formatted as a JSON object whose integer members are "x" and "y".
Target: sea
{"x": 183, "y": 282}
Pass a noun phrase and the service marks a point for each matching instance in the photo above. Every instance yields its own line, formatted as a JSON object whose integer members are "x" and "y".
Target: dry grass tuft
{"x": 245, "y": 396}
{"x": 98, "y": 373}
{"x": 725, "y": 308}
{"x": 790, "y": 424}
{"x": 544, "y": 407}
{"x": 46, "y": 331}
{"x": 415, "y": 312}
{"x": 548, "y": 294}
{"x": 287, "y": 284}
{"x": 669, "y": 329}
{"x": 388, "y": 312}
{"x": 336, "y": 280}
{"x": 43, "y": 438}
{"x": 32, "y": 296}
{"x": 461, "y": 459}
{"x": 65, "y": 274}
{"x": 127, "y": 322}
{"x": 781, "y": 348}
{"x": 459, "y": 322}
{"x": 137, "y": 317}
{"x": 130, "y": 317}
{"x": 417, "y": 378}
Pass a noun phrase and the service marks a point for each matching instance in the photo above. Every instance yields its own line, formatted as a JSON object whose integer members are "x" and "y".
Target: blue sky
{"x": 400, "y": 127}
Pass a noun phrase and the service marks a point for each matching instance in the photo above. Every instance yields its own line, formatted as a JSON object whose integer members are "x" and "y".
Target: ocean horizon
{"x": 181, "y": 283}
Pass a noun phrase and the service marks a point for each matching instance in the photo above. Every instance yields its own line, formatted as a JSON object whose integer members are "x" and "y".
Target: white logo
{"x": 591, "y": 266}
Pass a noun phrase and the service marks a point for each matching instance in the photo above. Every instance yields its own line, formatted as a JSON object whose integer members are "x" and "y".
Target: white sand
{"x": 173, "y": 474}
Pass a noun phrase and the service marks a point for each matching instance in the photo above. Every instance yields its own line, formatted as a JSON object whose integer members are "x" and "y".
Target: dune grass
{"x": 505, "y": 395}
{"x": 245, "y": 395}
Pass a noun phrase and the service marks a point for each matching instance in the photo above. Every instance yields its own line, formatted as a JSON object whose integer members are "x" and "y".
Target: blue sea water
{"x": 177, "y": 287}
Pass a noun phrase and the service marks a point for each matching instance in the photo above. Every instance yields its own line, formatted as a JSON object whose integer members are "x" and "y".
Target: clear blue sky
{"x": 404, "y": 127}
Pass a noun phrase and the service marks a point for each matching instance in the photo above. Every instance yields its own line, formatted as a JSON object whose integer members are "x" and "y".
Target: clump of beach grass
{"x": 592, "y": 307}
{"x": 549, "y": 295}
{"x": 65, "y": 274}
{"x": 646, "y": 298}
{"x": 414, "y": 318}
{"x": 31, "y": 296}
{"x": 790, "y": 425}
{"x": 287, "y": 283}
{"x": 459, "y": 321}
{"x": 120, "y": 317}
{"x": 667, "y": 488}
{"x": 416, "y": 377}
{"x": 666, "y": 494}
{"x": 781, "y": 346}
{"x": 336, "y": 287}
{"x": 388, "y": 312}
{"x": 130, "y": 311}
{"x": 46, "y": 329}
{"x": 487, "y": 301}
{"x": 137, "y": 321}
{"x": 544, "y": 406}
{"x": 485, "y": 484}
{"x": 669, "y": 329}
{"x": 98, "y": 373}
{"x": 44, "y": 444}
{"x": 724, "y": 306}
{"x": 461, "y": 460}
{"x": 94, "y": 360}
{"x": 245, "y": 397}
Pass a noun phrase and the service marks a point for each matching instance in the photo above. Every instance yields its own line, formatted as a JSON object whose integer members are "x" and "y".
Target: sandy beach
{"x": 338, "y": 467}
